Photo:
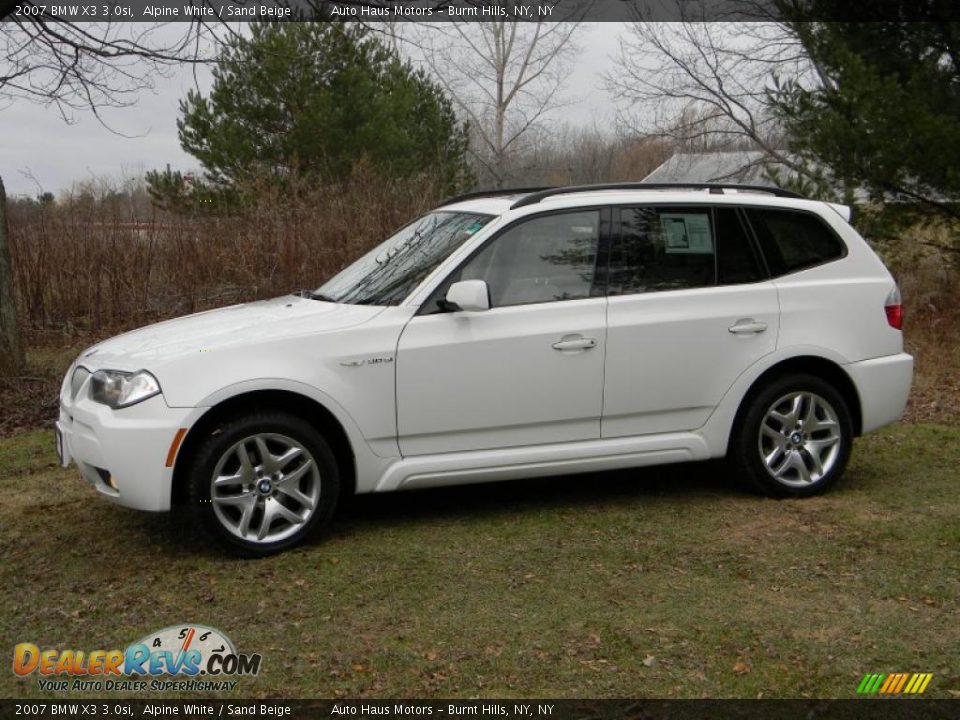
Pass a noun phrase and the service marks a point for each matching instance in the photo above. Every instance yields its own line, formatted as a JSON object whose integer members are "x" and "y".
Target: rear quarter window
{"x": 793, "y": 240}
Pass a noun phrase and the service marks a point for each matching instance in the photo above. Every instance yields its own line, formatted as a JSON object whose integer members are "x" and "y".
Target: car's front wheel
{"x": 263, "y": 482}
{"x": 795, "y": 437}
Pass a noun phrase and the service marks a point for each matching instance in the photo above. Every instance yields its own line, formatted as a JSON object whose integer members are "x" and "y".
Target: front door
{"x": 527, "y": 371}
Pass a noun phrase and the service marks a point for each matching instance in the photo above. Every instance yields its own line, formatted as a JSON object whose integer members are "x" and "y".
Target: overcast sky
{"x": 39, "y": 152}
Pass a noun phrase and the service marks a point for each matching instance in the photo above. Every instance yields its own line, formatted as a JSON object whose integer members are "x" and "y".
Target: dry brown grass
{"x": 928, "y": 272}
{"x": 935, "y": 396}
{"x": 91, "y": 267}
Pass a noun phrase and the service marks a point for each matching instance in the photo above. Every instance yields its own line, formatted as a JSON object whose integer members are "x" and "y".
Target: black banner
{"x": 865, "y": 709}
{"x": 372, "y": 11}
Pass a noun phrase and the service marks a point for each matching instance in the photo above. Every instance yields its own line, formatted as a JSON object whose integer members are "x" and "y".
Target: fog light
{"x": 107, "y": 478}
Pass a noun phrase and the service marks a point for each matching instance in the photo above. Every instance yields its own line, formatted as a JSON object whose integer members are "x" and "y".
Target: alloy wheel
{"x": 800, "y": 439}
{"x": 265, "y": 487}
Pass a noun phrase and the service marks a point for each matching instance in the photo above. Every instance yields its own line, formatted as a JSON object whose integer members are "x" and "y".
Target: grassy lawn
{"x": 662, "y": 583}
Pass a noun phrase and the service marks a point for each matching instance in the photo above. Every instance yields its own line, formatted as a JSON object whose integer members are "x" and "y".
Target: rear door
{"x": 690, "y": 308}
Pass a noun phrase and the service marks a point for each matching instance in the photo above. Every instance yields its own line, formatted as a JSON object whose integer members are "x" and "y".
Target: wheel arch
{"x": 286, "y": 401}
{"x": 815, "y": 365}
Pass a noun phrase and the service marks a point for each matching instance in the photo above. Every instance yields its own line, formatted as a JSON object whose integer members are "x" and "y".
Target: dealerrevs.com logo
{"x": 188, "y": 657}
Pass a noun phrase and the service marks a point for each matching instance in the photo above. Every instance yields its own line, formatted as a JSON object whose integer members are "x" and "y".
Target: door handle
{"x": 747, "y": 326}
{"x": 575, "y": 342}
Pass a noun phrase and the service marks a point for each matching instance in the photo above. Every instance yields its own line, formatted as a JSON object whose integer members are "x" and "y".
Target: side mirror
{"x": 472, "y": 295}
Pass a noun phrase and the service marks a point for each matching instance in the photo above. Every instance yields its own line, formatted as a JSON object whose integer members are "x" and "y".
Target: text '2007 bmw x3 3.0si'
{"x": 508, "y": 335}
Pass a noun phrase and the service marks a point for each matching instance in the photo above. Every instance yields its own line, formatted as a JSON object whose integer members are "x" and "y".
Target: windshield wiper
{"x": 311, "y": 295}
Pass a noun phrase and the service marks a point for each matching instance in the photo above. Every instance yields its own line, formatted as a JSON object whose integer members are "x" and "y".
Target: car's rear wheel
{"x": 263, "y": 482}
{"x": 795, "y": 437}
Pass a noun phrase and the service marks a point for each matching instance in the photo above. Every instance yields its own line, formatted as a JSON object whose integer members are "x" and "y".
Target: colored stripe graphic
{"x": 888, "y": 683}
{"x": 894, "y": 683}
{"x": 902, "y": 681}
{"x": 870, "y": 683}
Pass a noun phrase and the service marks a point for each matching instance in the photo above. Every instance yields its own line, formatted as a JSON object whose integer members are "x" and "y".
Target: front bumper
{"x": 883, "y": 385}
{"x": 123, "y": 453}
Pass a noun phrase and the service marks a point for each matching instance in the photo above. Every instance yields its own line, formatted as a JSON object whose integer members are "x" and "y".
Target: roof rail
{"x": 716, "y": 188}
{"x": 492, "y": 193}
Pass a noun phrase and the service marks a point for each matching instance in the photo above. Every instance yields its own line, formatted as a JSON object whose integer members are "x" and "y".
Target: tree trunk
{"x": 12, "y": 359}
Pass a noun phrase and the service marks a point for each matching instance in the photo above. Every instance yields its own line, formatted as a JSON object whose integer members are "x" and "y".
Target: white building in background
{"x": 743, "y": 167}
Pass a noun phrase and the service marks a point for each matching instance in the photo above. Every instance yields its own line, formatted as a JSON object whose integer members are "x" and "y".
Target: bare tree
{"x": 77, "y": 66}
{"x": 708, "y": 85}
{"x": 505, "y": 76}
{"x": 570, "y": 155}
{"x": 91, "y": 65}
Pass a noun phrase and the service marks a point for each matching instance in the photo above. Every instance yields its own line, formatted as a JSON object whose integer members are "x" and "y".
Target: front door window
{"x": 546, "y": 259}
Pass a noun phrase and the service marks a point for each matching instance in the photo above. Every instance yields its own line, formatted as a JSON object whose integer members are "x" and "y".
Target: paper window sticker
{"x": 687, "y": 233}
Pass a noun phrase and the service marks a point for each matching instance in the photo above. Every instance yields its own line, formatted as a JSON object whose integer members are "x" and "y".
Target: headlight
{"x": 77, "y": 378}
{"x": 122, "y": 389}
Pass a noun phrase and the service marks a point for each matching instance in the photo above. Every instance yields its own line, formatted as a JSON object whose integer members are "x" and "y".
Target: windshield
{"x": 389, "y": 272}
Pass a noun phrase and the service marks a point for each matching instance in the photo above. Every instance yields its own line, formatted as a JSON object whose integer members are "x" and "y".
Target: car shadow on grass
{"x": 363, "y": 514}
{"x": 688, "y": 481}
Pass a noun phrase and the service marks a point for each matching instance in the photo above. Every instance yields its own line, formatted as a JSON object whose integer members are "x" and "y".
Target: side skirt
{"x": 479, "y": 466}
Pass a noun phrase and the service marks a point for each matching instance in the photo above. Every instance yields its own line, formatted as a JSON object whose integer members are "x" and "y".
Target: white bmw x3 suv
{"x": 508, "y": 335}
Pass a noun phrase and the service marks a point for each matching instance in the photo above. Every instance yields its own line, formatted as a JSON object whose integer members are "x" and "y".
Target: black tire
{"x": 307, "y": 486}
{"x": 775, "y": 463}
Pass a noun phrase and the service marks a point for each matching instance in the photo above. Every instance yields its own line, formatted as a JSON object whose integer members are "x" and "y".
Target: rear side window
{"x": 792, "y": 240}
{"x": 675, "y": 248}
{"x": 663, "y": 249}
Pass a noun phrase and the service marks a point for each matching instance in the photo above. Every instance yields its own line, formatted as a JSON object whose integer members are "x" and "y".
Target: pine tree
{"x": 313, "y": 99}
{"x": 887, "y": 114}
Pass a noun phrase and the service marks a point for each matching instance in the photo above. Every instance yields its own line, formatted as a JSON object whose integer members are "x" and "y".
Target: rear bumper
{"x": 883, "y": 385}
{"x": 123, "y": 453}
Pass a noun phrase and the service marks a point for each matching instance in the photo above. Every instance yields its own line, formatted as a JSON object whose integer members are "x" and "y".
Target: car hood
{"x": 236, "y": 326}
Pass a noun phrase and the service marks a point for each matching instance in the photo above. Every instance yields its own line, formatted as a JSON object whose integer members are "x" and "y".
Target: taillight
{"x": 893, "y": 307}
